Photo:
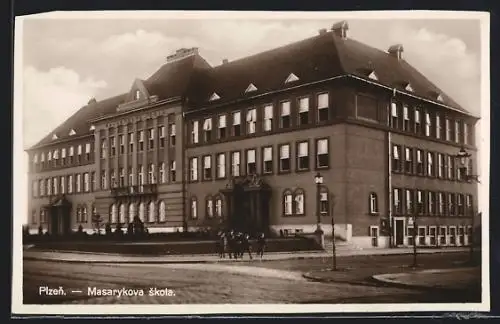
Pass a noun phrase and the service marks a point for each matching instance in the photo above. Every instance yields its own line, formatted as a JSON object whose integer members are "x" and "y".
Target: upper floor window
{"x": 194, "y": 132}
{"x": 461, "y": 206}
{"x": 466, "y": 134}
{"x": 193, "y": 169}
{"x": 55, "y": 186}
{"x": 34, "y": 189}
{"x": 41, "y": 185}
{"x": 103, "y": 149}
{"x": 222, "y": 126}
{"x": 396, "y": 158}
{"x": 42, "y": 157}
{"x": 303, "y": 156}
{"x": 161, "y": 172}
{"x": 418, "y": 121}
{"x": 87, "y": 151}
{"x": 304, "y": 111}
{"x": 299, "y": 202}
{"x": 172, "y": 133}
{"x": 104, "y": 182}
{"x": 71, "y": 154}
{"x": 448, "y": 129}
{"x": 93, "y": 180}
{"x": 236, "y": 123}
{"x": 161, "y": 136}
{"x": 373, "y": 203}
{"x": 112, "y": 140}
{"x": 408, "y": 160}
{"x": 137, "y": 95}
{"x": 394, "y": 115}
{"x": 441, "y": 166}
{"x": 440, "y": 203}
{"x": 173, "y": 171}
{"x": 284, "y": 157}
{"x": 268, "y": 118}
{"x": 209, "y": 207}
{"x": 323, "y": 107}
{"x": 431, "y": 203}
{"x": 151, "y": 138}
{"x": 194, "y": 208}
{"x": 420, "y": 162}
{"x": 420, "y": 201}
{"x": 62, "y": 184}
{"x": 141, "y": 177}
{"x": 35, "y": 158}
{"x": 86, "y": 182}
{"x": 78, "y": 182}
{"x": 130, "y": 177}
{"x": 324, "y": 201}
{"x": 287, "y": 203}
{"x": 207, "y": 129}
{"x": 457, "y": 131}
{"x": 235, "y": 164}
{"x": 409, "y": 201}
{"x": 428, "y": 125}
{"x": 430, "y": 164}
{"x": 468, "y": 205}
{"x": 267, "y": 157}
{"x": 451, "y": 204}
{"x": 439, "y": 127}
{"x": 141, "y": 140}
{"x": 207, "y": 167}
{"x": 221, "y": 165}
{"x": 406, "y": 118}
{"x": 450, "y": 163}
{"x": 251, "y": 120}
{"x": 285, "y": 114}
{"x": 49, "y": 156}
{"x": 396, "y": 201}
{"x": 322, "y": 153}
{"x": 131, "y": 142}
{"x": 251, "y": 164}
{"x": 151, "y": 173}
{"x": 218, "y": 206}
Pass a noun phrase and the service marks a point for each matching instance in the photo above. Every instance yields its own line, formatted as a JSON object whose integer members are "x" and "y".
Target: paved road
{"x": 204, "y": 283}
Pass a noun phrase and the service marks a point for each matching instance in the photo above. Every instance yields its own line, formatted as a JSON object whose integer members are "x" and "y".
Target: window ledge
{"x": 374, "y": 213}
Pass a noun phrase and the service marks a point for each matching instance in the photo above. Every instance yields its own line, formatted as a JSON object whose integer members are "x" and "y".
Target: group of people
{"x": 236, "y": 244}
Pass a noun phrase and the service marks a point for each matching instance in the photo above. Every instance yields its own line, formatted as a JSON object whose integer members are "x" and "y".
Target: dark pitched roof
{"x": 171, "y": 80}
{"x": 317, "y": 58}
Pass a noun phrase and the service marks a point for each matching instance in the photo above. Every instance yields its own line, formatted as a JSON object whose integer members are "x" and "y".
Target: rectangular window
{"x": 323, "y": 105}
{"x": 268, "y": 118}
{"x": 49, "y": 187}
{"x": 461, "y": 206}
{"x": 63, "y": 156}
{"x": 406, "y": 118}
{"x": 207, "y": 129}
{"x": 285, "y": 114}
{"x": 70, "y": 184}
{"x": 323, "y": 203}
{"x": 448, "y": 130}
{"x": 420, "y": 202}
{"x": 173, "y": 135}
{"x": 41, "y": 184}
{"x": 441, "y": 166}
{"x": 251, "y": 162}
{"x": 78, "y": 182}
{"x": 193, "y": 168}
{"x": 457, "y": 131}
{"x": 161, "y": 136}
{"x": 396, "y": 198}
{"x": 235, "y": 164}
{"x": 288, "y": 204}
{"x": 71, "y": 154}
{"x": 322, "y": 153}
{"x": 284, "y": 158}
{"x": 450, "y": 164}
{"x": 141, "y": 141}
{"x": 409, "y": 201}
{"x": 430, "y": 164}
{"x": 62, "y": 184}
{"x": 131, "y": 177}
{"x": 466, "y": 134}
{"x": 396, "y": 158}
{"x": 104, "y": 182}
{"x": 55, "y": 186}
{"x": 303, "y": 156}
{"x": 451, "y": 204}
{"x": 468, "y": 205}
{"x": 207, "y": 167}
{"x": 151, "y": 173}
{"x": 431, "y": 203}
{"x": 418, "y": 121}
{"x": 420, "y": 162}
{"x": 303, "y": 111}
{"x": 173, "y": 171}
{"x": 251, "y": 120}
{"x": 194, "y": 208}
{"x": 439, "y": 127}
{"x": 194, "y": 132}
{"x": 131, "y": 142}
{"x": 151, "y": 139}
{"x": 113, "y": 183}
{"x": 34, "y": 189}
{"x": 440, "y": 203}
{"x": 141, "y": 178}
{"x": 394, "y": 115}
{"x": 237, "y": 123}
{"x": 221, "y": 165}
{"x": 428, "y": 125}
{"x": 86, "y": 182}
{"x": 222, "y": 126}
{"x": 408, "y": 160}
{"x": 112, "y": 143}
{"x": 122, "y": 177}
{"x": 267, "y": 157}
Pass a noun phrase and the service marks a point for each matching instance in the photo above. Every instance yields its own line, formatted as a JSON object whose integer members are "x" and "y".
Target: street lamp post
{"x": 464, "y": 159}
{"x": 318, "y": 179}
{"x": 415, "y": 228}
{"x": 334, "y": 252}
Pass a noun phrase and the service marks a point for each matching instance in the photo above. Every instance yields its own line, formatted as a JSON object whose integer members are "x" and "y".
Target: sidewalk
{"x": 86, "y": 257}
{"x": 445, "y": 279}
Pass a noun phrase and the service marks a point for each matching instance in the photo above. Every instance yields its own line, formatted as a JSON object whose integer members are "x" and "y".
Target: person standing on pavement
{"x": 261, "y": 245}
{"x": 231, "y": 244}
{"x": 219, "y": 245}
{"x": 246, "y": 246}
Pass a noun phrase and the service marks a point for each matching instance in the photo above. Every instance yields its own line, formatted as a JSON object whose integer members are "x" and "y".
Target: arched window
{"x": 218, "y": 206}
{"x": 194, "y": 208}
{"x": 287, "y": 202}
{"x": 209, "y": 207}
{"x": 141, "y": 211}
{"x": 324, "y": 201}
{"x": 131, "y": 212}
{"x": 114, "y": 213}
{"x": 152, "y": 212}
{"x": 121, "y": 218}
{"x": 299, "y": 202}
{"x": 162, "y": 208}
{"x": 373, "y": 203}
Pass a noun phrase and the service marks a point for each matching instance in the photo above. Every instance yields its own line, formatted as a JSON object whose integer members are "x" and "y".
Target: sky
{"x": 66, "y": 62}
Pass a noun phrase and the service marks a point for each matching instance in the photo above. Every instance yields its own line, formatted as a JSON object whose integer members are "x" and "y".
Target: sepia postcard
{"x": 251, "y": 162}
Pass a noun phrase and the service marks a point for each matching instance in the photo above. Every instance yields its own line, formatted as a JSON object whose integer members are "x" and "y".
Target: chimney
{"x": 340, "y": 29}
{"x": 396, "y": 51}
{"x": 182, "y": 53}
{"x": 322, "y": 31}
{"x": 225, "y": 61}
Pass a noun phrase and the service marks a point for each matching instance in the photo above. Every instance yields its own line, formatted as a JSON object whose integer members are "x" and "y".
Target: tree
{"x": 97, "y": 222}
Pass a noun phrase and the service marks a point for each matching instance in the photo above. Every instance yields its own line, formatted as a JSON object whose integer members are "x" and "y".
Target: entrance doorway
{"x": 374, "y": 235}
{"x": 59, "y": 216}
{"x": 399, "y": 228}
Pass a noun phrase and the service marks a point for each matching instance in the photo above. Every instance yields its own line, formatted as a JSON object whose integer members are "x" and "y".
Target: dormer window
{"x": 251, "y": 88}
{"x": 92, "y": 128}
{"x": 54, "y": 137}
{"x": 137, "y": 95}
{"x": 440, "y": 98}
{"x": 291, "y": 78}
{"x": 72, "y": 132}
{"x": 214, "y": 96}
{"x": 373, "y": 76}
{"x": 409, "y": 88}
